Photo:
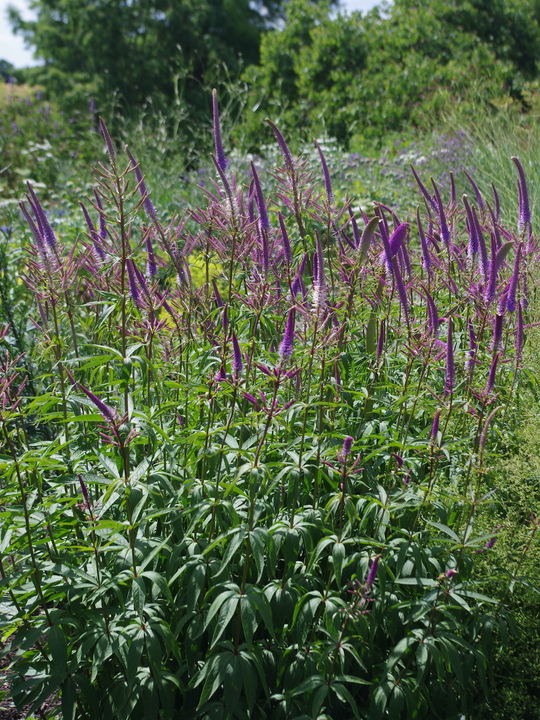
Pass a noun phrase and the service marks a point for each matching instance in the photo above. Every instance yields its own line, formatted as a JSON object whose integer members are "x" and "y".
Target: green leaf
{"x": 58, "y": 651}
{"x": 345, "y": 697}
{"x": 445, "y": 529}
{"x": 138, "y": 594}
{"x": 249, "y": 619}
{"x": 338, "y": 557}
{"x": 399, "y": 651}
{"x": 308, "y": 685}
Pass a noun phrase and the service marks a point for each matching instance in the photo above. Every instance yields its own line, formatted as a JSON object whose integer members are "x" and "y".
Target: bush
{"x": 257, "y": 497}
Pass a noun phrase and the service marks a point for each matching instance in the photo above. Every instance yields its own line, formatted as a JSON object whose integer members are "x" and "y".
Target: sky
{"x": 13, "y": 50}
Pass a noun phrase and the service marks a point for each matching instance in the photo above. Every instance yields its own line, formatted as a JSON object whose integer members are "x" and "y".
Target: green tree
{"x": 400, "y": 64}
{"x": 139, "y": 49}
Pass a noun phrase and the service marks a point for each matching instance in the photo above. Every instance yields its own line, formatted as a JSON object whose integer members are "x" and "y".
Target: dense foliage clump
{"x": 265, "y": 494}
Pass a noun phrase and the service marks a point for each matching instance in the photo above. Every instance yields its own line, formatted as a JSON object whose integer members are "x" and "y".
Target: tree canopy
{"x": 146, "y": 48}
{"x": 398, "y": 64}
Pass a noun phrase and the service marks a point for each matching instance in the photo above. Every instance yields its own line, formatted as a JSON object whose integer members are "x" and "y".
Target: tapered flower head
{"x": 372, "y": 574}
{"x": 111, "y": 152}
{"x": 326, "y": 174}
{"x": 286, "y": 347}
{"x": 346, "y": 449}
{"x": 287, "y": 157}
{"x": 238, "y": 365}
{"x": 261, "y": 205}
{"x": 450, "y": 378}
{"x": 479, "y": 199}
{"x": 147, "y": 203}
{"x": 524, "y": 220}
{"x": 443, "y": 223}
{"x": 218, "y": 143}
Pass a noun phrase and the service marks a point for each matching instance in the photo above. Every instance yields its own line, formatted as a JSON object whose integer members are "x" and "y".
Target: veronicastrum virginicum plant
{"x": 257, "y": 498}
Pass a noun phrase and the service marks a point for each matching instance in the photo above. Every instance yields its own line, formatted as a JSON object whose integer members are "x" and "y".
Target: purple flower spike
{"x": 147, "y": 203}
{"x": 426, "y": 258}
{"x": 38, "y": 238}
{"x": 287, "y": 157}
{"x": 483, "y": 262}
{"x": 102, "y": 222}
{"x": 492, "y": 374}
{"x": 108, "y": 141}
{"x": 372, "y": 574}
{"x": 395, "y": 242}
{"x": 218, "y": 143}
{"x": 491, "y": 286}
{"x": 151, "y": 267}
{"x": 108, "y": 413}
{"x": 285, "y": 240}
{"x": 326, "y": 174}
{"x": 435, "y": 426}
{"x": 261, "y": 205}
{"x": 430, "y": 201}
{"x": 478, "y": 194}
{"x": 511, "y": 302}
{"x": 524, "y": 221}
{"x": 225, "y": 318}
{"x": 443, "y": 224}
{"x": 132, "y": 282}
{"x": 402, "y": 293}
{"x": 217, "y": 295}
{"x": 471, "y": 225}
{"x": 450, "y": 379}
{"x": 346, "y": 449}
{"x": 286, "y": 347}
{"x": 48, "y": 232}
{"x": 497, "y": 332}
{"x": 238, "y": 365}
{"x": 84, "y": 489}
{"x": 98, "y": 250}
{"x": 319, "y": 281}
{"x": 471, "y": 352}
{"x": 433, "y": 315}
